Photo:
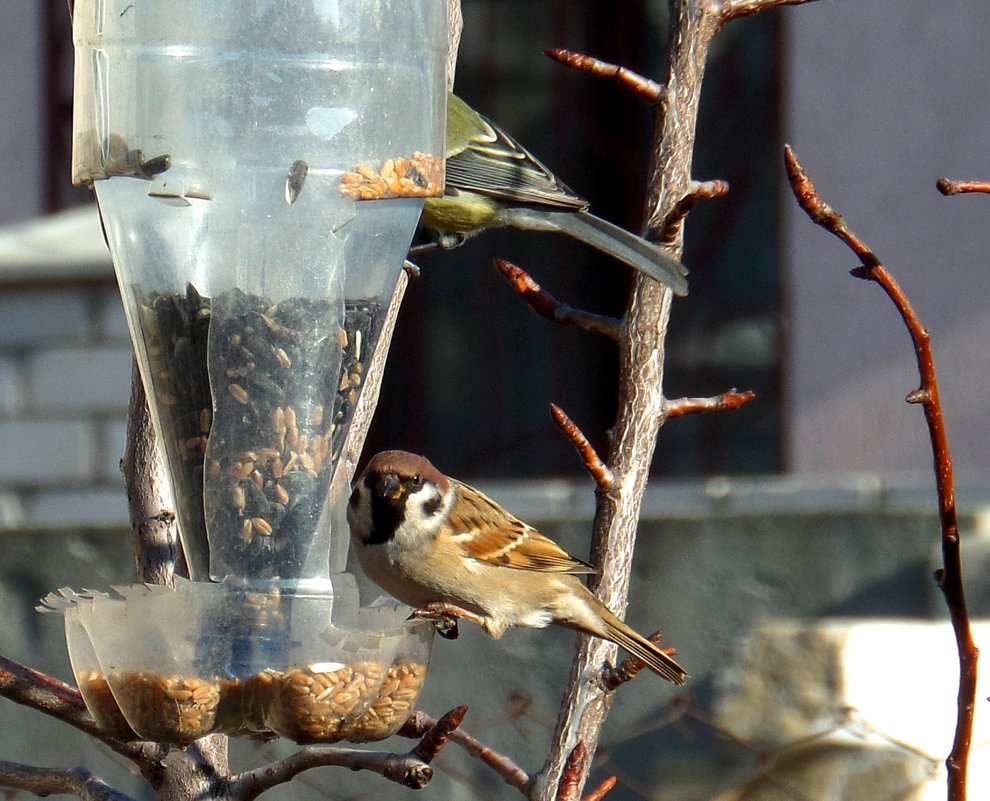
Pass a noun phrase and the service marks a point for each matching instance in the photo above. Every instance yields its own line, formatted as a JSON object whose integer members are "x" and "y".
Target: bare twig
{"x": 436, "y": 737}
{"x": 603, "y": 789}
{"x": 411, "y": 769}
{"x": 732, "y": 399}
{"x": 149, "y": 501}
{"x": 670, "y": 230}
{"x": 947, "y": 187}
{"x": 48, "y": 695}
{"x": 949, "y": 578}
{"x": 731, "y": 9}
{"x": 641, "y": 346}
{"x": 579, "y": 61}
{"x": 572, "y": 778}
{"x": 546, "y": 305}
{"x": 420, "y": 723}
{"x": 46, "y": 781}
{"x": 604, "y": 480}
{"x": 641, "y": 351}
{"x": 405, "y": 769}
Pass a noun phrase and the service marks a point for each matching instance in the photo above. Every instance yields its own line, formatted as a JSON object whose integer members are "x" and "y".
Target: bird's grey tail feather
{"x": 624, "y": 246}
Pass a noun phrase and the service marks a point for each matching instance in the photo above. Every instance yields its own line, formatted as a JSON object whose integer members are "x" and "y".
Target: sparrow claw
{"x": 444, "y": 623}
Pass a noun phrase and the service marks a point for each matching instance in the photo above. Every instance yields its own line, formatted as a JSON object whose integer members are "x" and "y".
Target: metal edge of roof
{"x": 64, "y": 246}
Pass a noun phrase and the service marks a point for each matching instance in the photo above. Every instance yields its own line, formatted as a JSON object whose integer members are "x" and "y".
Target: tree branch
{"x": 670, "y": 231}
{"x": 731, "y": 9}
{"x": 46, "y": 781}
{"x": 640, "y": 385}
{"x": 604, "y": 480}
{"x": 644, "y": 87}
{"x": 48, "y": 695}
{"x": 509, "y": 771}
{"x": 727, "y": 401}
{"x": 411, "y": 769}
{"x": 149, "y": 501}
{"x": 947, "y": 187}
{"x": 602, "y": 789}
{"x": 949, "y": 578}
{"x": 546, "y": 305}
{"x": 572, "y": 777}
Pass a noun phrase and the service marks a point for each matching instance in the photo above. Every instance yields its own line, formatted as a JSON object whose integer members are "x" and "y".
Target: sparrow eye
{"x": 416, "y": 483}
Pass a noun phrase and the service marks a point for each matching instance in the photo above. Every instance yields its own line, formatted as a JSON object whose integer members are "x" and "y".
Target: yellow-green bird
{"x": 493, "y": 182}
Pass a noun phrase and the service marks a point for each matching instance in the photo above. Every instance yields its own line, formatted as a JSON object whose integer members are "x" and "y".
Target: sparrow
{"x": 449, "y": 551}
{"x": 492, "y": 182}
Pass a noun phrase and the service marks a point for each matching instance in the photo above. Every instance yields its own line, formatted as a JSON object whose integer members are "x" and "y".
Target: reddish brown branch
{"x": 731, "y": 9}
{"x": 572, "y": 777}
{"x": 602, "y": 789}
{"x": 420, "y": 723}
{"x": 593, "y": 463}
{"x": 947, "y": 187}
{"x": 438, "y": 734}
{"x": 629, "y": 668}
{"x": 727, "y": 401}
{"x": 579, "y": 61}
{"x": 670, "y": 231}
{"x": 950, "y": 576}
{"x": 546, "y": 305}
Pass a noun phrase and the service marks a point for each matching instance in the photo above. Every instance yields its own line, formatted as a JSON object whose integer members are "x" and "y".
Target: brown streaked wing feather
{"x": 514, "y": 544}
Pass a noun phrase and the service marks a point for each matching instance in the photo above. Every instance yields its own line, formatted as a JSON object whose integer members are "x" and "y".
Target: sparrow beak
{"x": 390, "y": 487}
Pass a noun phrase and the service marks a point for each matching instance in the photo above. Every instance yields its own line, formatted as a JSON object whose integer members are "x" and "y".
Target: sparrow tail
{"x": 641, "y": 648}
{"x": 624, "y": 246}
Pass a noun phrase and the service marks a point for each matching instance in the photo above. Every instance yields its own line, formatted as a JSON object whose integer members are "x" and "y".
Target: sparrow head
{"x": 398, "y": 494}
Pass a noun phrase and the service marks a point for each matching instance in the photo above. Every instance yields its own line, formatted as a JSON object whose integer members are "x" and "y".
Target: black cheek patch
{"x": 432, "y": 506}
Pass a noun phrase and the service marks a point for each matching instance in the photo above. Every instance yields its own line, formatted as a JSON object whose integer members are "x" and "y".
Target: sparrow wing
{"x": 492, "y": 163}
{"x": 491, "y": 535}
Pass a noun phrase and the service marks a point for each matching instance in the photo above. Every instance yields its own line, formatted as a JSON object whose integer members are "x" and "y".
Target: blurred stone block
{"x": 832, "y": 699}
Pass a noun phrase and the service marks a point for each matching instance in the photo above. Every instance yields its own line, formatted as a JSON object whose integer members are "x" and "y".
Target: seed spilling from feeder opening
{"x": 417, "y": 176}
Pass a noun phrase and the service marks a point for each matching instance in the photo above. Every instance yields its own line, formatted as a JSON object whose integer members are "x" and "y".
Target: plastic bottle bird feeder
{"x": 260, "y": 169}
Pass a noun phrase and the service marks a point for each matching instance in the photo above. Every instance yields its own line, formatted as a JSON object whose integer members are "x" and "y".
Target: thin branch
{"x": 46, "y": 781}
{"x": 644, "y": 87}
{"x": 604, "y": 479}
{"x": 149, "y": 500}
{"x": 670, "y": 230}
{"x": 405, "y": 769}
{"x": 436, "y": 737}
{"x": 602, "y": 789}
{"x": 46, "y": 694}
{"x": 947, "y": 187}
{"x": 572, "y": 777}
{"x": 411, "y": 769}
{"x": 949, "y": 578}
{"x": 727, "y": 401}
{"x": 731, "y": 9}
{"x": 509, "y": 771}
{"x": 546, "y": 305}
{"x": 641, "y": 351}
